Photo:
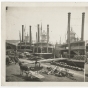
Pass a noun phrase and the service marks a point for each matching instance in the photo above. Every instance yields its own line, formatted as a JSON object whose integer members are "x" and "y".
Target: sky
{"x": 56, "y": 17}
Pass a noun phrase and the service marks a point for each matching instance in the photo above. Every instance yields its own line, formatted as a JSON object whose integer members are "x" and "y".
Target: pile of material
{"x": 58, "y": 72}
{"x": 62, "y": 64}
{"x": 11, "y": 59}
{"x": 79, "y": 57}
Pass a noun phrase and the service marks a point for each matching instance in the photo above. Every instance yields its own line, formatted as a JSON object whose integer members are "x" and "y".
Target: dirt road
{"x": 86, "y": 72}
{"x": 13, "y": 74}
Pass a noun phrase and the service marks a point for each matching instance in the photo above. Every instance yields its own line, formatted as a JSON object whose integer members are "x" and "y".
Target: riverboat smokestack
{"x": 38, "y": 34}
{"x": 82, "y": 30}
{"x": 30, "y": 35}
{"x": 22, "y": 33}
{"x": 69, "y": 15}
{"x": 47, "y": 36}
{"x": 47, "y": 33}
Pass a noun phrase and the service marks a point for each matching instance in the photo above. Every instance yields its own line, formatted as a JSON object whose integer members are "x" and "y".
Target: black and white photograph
{"x": 46, "y": 42}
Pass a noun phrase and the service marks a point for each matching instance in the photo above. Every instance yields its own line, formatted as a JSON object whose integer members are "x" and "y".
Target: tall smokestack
{"x": 69, "y": 34}
{"x": 20, "y": 36}
{"x": 82, "y": 31}
{"x": 60, "y": 40}
{"x": 22, "y": 33}
{"x": 47, "y": 36}
{"x": 36, "y": 37}
{"x": 30, "y": 35}
{"x": 38, "y": 34}
{"x": 47, "y": 33}
{"x": 41, "y": 28}
{"x": 37, "y": 41}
